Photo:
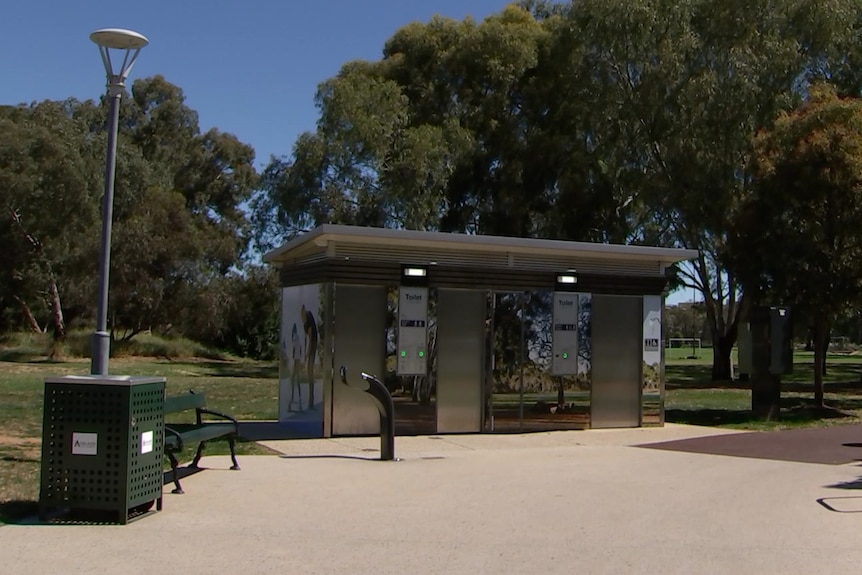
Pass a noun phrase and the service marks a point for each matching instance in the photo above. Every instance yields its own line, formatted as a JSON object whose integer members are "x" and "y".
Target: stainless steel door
{"x": 616, "y": 361}
{"x": 360, "y": 345}
{"x": 460, "y": 348}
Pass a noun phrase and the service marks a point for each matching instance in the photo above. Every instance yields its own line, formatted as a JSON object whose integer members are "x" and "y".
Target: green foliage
{"x": 179, "y": 224}
{"x": 808, "y": 171}
{"x": 239, "y": 313}
{"x": 625, "y": 121}
{"x": 28, "y": 346}
{"x": 809, "y": 175}
{"x": 597, "y": 120}
{"x": 49, "y": 203}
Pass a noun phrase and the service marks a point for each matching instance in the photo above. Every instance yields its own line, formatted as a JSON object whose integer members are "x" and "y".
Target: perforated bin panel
{"x": 146, "y": 443}
{"x": 102, "y": 443}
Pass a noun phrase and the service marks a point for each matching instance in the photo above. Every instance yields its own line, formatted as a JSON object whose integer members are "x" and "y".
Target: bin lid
{"x": 117, "y": 380}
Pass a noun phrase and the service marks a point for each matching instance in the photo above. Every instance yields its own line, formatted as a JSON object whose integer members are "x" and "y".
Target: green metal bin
{"x": 102, "y": 444}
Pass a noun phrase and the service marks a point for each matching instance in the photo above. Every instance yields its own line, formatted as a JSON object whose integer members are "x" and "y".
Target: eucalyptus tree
{"x": 624, "y": 121}
{"x": 48, "y": 206}
{"x": 428, "y": 137}
{"x": 687, "y": 83}
{"x": 797, "y": 229}
{"x": 178, "y": 208}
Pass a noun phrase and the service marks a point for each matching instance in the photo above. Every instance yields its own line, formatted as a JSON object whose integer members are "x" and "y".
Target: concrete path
{"x": 560, "y": 502}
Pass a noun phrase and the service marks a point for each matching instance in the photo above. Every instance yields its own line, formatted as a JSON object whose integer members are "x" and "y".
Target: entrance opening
{"x": 523, "y": 393}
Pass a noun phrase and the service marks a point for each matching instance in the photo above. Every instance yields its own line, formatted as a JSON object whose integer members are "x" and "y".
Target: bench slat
{"x": 176, "y": 403}
{"x": 192, "y": 433}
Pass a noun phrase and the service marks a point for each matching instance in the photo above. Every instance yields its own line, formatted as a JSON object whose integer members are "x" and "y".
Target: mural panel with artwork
{"x": 300, "y": 374}
{"x": 653, "y": 377}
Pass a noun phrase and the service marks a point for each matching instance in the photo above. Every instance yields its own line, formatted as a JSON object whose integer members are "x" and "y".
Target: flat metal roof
{"x": 319, "y": 240}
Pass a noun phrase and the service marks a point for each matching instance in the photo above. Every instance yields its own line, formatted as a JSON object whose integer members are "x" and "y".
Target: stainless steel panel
{"x": 329, "y": 377}
{"x": 616, "y": 361}
{"x": 360, "y": 345}
{"x": 460, "y": 349}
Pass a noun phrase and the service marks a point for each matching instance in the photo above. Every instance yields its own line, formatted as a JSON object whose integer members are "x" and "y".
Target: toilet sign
{"x": 565, "y": 334}
{"x": 412, "y": 352}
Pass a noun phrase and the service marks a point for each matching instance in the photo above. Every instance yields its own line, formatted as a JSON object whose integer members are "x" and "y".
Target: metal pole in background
{"x": 131, "y": 42}
{"x": 522, "y": 300}
{"x": 101, "y": 337}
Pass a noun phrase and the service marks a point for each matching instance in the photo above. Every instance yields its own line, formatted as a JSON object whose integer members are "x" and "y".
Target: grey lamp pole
{"x": 129, "y": 43}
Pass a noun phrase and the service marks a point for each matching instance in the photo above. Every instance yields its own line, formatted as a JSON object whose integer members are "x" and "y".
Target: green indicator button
{"x": 565, "y": 355}
{"x": 421, "y": 354}
{"x": 403, "y": 353}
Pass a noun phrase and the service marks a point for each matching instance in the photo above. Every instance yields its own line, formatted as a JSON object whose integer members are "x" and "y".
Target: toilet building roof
{"x": 423, "y": 247}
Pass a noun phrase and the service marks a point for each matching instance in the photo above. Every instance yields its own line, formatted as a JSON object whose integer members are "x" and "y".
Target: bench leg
{"x": 232, "y": 441}
{"x": 198, "y": 454}
{"x": 178, "y": 489}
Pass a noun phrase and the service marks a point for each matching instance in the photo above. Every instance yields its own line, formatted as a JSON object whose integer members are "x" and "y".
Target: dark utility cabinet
{"x": 771, "y": 357}
{"x": 771, "y": 340}
{"x": 102, "y": 444}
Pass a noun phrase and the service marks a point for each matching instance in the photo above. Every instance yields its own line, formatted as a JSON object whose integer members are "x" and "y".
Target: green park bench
{"x": 178, "y": 435}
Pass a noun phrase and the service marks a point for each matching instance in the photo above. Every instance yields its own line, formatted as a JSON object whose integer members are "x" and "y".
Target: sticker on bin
{"x": 85, "y": 443}
{"x": 146, "y": 442}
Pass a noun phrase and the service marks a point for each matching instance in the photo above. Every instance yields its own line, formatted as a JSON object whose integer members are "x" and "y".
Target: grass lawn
{"x": 249, "y": 391}
{"x": 692, "y": 398}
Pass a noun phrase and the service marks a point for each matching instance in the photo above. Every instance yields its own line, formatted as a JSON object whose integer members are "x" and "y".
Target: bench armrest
{"x": 204, "y": 410}
{"x": 175, "y": 433}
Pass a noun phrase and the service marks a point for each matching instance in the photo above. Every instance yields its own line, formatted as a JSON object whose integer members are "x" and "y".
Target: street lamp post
{"x": 129, "y": 44}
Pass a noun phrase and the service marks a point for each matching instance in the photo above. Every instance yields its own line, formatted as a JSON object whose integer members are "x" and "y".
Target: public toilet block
{"x": 469, "y": 333}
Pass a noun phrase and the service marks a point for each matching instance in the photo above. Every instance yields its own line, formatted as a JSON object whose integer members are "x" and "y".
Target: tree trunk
{"x": 722, "y": 347}
{"x": 821, "y": 328}
{"x": 722, "y": 316}
{"x": 766, "y": 396}
{"x": 57, "y": 321}
{"x": 809, "y": 339}
{"x": 57, "y": 312}
{"x": 32, "y": 323}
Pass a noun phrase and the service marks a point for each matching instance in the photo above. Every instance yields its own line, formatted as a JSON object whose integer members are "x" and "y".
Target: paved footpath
{"x": 560, "y": 502}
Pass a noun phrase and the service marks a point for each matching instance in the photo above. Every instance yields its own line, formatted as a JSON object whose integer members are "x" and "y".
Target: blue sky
{"x": 249, "y": 68}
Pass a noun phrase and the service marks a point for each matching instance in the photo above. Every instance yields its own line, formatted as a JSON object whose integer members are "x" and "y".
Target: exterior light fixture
{"x": 414, "y": 275}
{"x": 566, "y": 281}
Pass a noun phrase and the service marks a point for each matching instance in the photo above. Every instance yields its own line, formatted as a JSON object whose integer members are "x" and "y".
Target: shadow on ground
{"x": 13, "y": 512}
{"x": 841, "y": 377}
{"x": 332, "y": 456}
{"x": 227, "y": 368}
{"x": 795, "y": 411}
{"x": 855, "y": 484}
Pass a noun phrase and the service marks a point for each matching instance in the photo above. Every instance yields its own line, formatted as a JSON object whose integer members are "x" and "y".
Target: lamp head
{"x": 127, "y": 41}
{"x": 119, "y": 39}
